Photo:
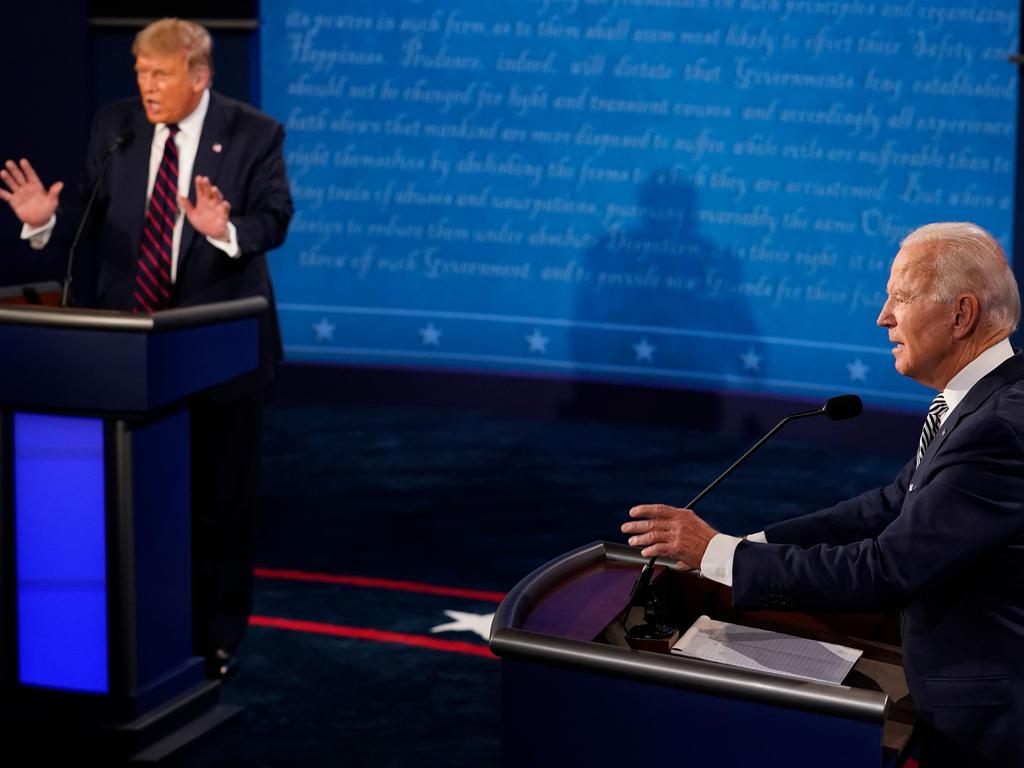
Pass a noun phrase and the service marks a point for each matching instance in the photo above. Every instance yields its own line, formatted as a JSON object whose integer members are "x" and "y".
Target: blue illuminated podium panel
{"x": 61, "y": 552}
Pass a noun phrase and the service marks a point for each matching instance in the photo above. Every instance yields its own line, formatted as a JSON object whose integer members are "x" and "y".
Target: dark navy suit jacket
{"x": 944, "y": 542}
{"x": 240, "y": 149}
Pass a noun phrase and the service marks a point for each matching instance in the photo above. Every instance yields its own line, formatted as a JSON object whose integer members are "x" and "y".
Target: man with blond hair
{"x": 945, "y": 540}
{"x": 191, "y": 192}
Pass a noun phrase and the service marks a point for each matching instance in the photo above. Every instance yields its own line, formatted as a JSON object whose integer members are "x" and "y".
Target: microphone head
{"x": 126, "y": 137}
{"x": 842, "y": 407}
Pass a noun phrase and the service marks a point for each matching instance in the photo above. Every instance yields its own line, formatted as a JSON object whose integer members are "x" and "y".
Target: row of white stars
{"x": 537, "y": 343}
{"x": 752, "y": 362}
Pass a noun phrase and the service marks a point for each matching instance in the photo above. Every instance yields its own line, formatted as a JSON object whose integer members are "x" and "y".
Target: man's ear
{"x": 965, "y": 316}
{"x": 200, "y": 77}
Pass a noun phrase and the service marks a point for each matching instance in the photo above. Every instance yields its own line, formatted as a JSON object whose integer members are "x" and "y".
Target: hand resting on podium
{"x": 665, "y": 531}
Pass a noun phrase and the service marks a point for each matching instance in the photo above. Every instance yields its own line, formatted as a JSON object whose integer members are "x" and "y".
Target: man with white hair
{"x": 945, "y": 540}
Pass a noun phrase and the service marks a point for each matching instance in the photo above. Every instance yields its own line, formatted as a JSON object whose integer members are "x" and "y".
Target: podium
{"x": 96, "y": 663}
{"x": 573, "y": 692}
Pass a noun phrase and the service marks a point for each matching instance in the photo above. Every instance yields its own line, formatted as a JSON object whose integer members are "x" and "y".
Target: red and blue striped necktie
{"x": 153, "y": 269}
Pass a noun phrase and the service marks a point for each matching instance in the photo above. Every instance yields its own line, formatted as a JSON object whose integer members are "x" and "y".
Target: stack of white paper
{"x": 766, "y": 651}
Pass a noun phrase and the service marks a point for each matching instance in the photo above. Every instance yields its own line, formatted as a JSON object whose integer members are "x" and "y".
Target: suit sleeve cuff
{"x": 717, "y": 561}
{"x": 38, "y": 237}
{"x": 229, "y": 246}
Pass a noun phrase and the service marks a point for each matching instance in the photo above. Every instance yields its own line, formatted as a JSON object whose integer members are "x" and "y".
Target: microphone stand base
{"x": 658, "y": 638}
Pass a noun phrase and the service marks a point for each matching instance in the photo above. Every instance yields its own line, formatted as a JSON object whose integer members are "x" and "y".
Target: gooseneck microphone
{"x": 836, "y": 408}
{"x": 124, "y": 138}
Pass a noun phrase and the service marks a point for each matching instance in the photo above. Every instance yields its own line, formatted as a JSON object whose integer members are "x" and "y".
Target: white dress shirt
{"x": 187, "y": 141}
{"x": 717, "y": 561}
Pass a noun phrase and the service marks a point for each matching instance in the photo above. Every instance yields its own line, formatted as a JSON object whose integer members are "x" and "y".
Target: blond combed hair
{"x": 171, "y": 36}
{"x": 964, "y": 258}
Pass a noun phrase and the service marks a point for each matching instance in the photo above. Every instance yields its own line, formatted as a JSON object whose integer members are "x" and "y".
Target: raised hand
{"x": 31, "y": 202}
{"x": 209, "y": 215}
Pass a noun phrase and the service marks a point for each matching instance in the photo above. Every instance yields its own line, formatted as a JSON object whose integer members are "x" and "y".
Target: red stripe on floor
{"x": 376, "y": 635}
{"x": 363, "y": 581}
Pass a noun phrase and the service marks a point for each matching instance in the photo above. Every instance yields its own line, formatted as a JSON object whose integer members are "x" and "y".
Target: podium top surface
{"x": 109, "y": 320}
{"x": 541, "y": 617}
{"x": 119, "y": 364}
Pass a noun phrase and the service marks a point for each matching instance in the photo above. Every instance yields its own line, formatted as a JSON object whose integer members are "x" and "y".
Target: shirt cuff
{"x": 38, "y": 237}
{"x": 757, "y": 538}
{"x": 229, "y": 246}
{"x": 717, "y": 561}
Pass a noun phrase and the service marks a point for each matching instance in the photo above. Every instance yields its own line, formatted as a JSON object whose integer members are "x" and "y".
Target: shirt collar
{"x": 975, "y": 371}
{"x": 192, "y": 125}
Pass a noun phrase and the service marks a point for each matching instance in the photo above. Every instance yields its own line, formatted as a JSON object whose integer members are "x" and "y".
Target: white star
{"x": 431, "y": 336}
{"x": 324, "y": 330}
{"x": 538, "y": 342}
{"x": 858, "y": 371}
{"x": 751, "y": 360}
{"x": 467, "y": 622}
{"x": 644, "y": 351}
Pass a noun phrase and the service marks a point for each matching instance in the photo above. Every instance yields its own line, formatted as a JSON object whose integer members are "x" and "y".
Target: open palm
{"x": 209, "y": 216}
{"x": 31, "y": 202}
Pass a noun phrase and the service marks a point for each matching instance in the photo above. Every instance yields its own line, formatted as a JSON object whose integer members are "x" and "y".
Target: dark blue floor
{"x": 465, "y": 499}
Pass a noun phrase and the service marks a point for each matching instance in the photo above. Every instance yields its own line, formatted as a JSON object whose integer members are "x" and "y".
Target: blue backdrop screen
{"x": 691, "y": 193}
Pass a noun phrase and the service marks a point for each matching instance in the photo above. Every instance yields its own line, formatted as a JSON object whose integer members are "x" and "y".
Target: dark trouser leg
{"x": 226, "y": 459}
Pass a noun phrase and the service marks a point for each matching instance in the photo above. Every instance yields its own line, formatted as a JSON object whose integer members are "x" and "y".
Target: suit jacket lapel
{"x": 1007, "y": 372}
{"x": 136, "y": 177}
{"x": 214, "y": 134}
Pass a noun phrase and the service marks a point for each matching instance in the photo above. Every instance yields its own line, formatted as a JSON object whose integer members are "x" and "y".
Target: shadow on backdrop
{"x": 657, "y": 294}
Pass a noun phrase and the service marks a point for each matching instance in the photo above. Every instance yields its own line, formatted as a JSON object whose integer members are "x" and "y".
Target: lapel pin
{"x": 217, "y": 148}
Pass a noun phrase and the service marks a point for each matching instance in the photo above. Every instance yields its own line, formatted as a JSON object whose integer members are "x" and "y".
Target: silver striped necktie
{"x": 931, "y": 424}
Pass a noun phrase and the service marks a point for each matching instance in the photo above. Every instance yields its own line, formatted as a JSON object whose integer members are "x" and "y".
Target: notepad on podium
{"x": 766, "y": 651}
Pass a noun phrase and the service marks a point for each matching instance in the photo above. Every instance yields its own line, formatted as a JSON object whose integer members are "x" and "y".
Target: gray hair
{"x": 170, "y": 37}
{"x": 966, "y": 258}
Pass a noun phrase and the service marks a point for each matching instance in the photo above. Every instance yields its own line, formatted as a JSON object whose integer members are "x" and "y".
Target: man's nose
{"x": 885, "y": 318}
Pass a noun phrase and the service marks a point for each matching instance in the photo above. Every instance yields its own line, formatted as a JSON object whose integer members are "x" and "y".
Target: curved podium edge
{"x": 510, "y": 642}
